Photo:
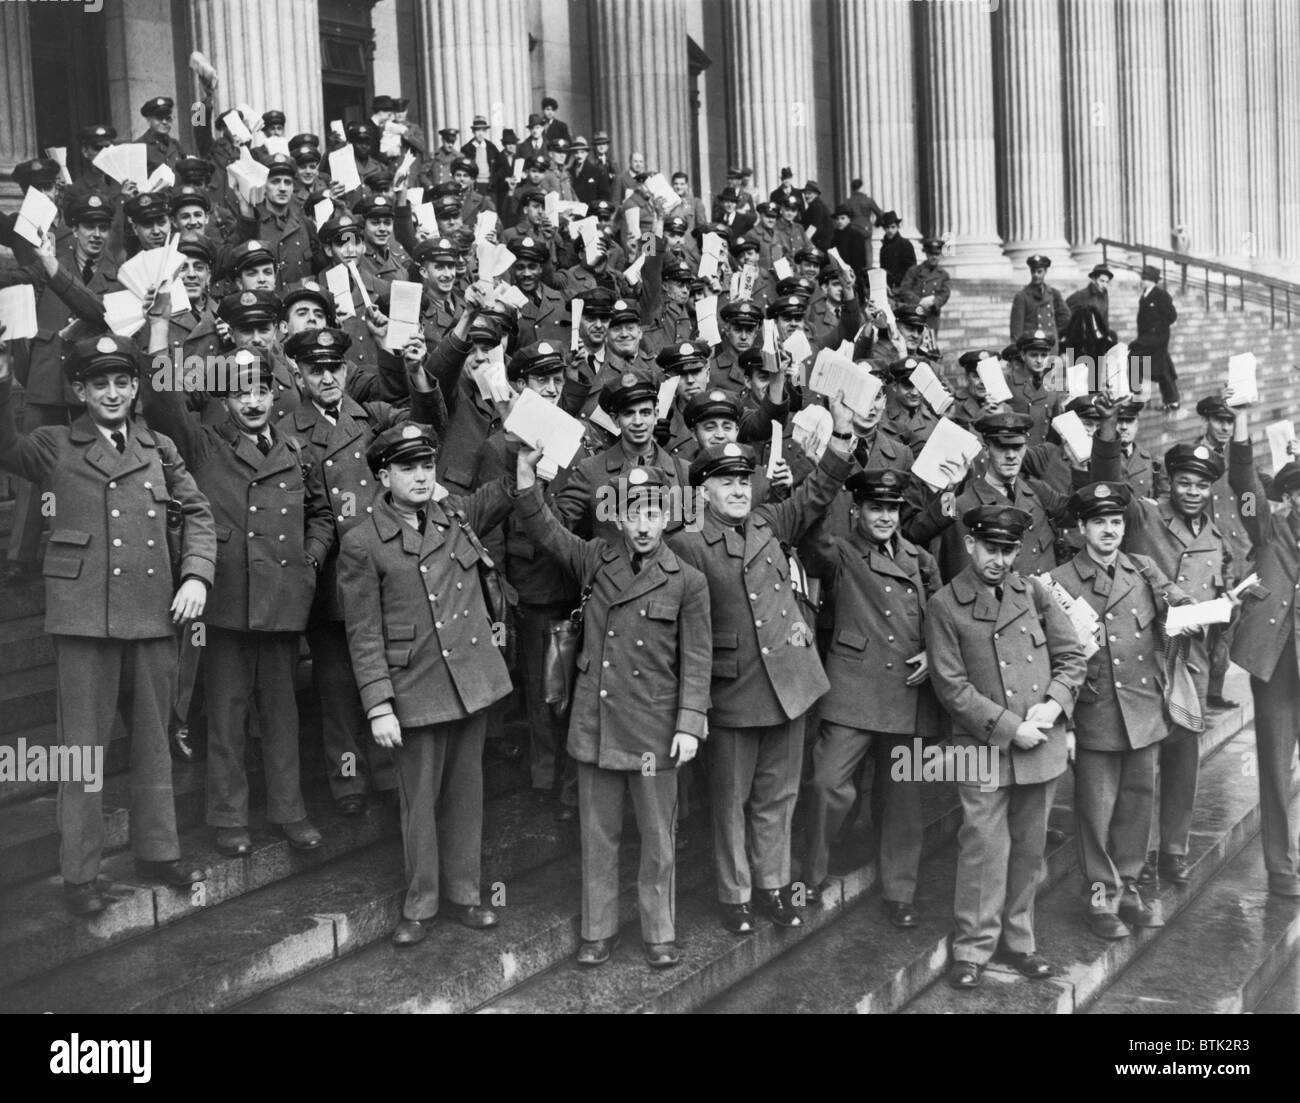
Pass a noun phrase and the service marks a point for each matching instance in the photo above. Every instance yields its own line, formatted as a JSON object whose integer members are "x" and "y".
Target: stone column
{"x": 473, "y": 57}
{"x": 1288, "y": 132}
{"x": 1032, "y": 155}
{"x": 770, "y": 89}
{"x": 1229, "y": 171}
{"x": 1190, "y": 125}
{"x": 958, "y": 177}
{"x": 1093, "y": 125}
{"x": 17, "y": 108}
{"x": 1144, "y": 106}
{"x": 875, "y": 92}
{"x": 1261, "y": 237}
{"x": 642, "y": 77}
{"x": 266, "y": 56}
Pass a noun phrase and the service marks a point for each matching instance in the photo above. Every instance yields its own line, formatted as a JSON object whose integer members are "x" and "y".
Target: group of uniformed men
{"x": 791, "y": 619}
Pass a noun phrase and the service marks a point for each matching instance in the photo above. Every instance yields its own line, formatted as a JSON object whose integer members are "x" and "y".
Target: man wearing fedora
{"x": 1156, "y": 313}
{"x": 897, "y": 256}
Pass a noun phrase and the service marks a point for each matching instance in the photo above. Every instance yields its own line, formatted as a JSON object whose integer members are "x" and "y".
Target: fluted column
{"x": 1228, "y": 121}
{"x": 17, "y": 107}
{"x": 1032, "y": 155}
{"x": 1288, "y": 131}
{"x": 1191, "y": 123}
{"x": 770, "y": 87}
{"x": 266, "y": 55}
{"x": 473, "y": 58}
{"x": 1092, "y": 126}
{"x": 958, "y": 178}
{"x": 1144, "y": 96}
{"x": 642, "y": 77}
{"x": 875, "y": 128}
{"x": 1261, "y": 133}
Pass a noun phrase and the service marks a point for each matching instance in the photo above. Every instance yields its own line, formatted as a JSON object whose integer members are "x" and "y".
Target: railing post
{"x": 1272, "y": 311}
{"x": 1207, "y": 288}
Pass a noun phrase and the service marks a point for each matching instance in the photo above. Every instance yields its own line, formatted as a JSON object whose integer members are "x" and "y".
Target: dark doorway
{"x": 69, "y": 76}
{"x": 347, "y": 51}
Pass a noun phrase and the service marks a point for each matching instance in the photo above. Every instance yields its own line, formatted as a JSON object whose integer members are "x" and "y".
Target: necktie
{"x": 87, "y": 270}
{"x": 263, "y": 443}
{"x": 119, "y": 441}
{"x": 333, "y": 411}
{"x": 997, "y": 593}
{"x": 636, "y": 563}
{"x": 420, "y": 518}
{"x": 1111, "y": 570}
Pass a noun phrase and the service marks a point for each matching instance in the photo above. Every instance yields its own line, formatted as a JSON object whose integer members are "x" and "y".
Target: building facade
{"x": 1009, "y": 127}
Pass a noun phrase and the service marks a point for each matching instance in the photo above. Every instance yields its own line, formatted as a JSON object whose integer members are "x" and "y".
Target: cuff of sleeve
{"x": 836, "y": 465}
{"x": 318, "y": 551}
{"x": 692, "y": 723}
{"x": 377, "y": 693}
{"x": 60, "y": 281}
{"x": 1004, "y": 730}
{"x": 528, "y": 503}
{"x": 384, "y": 708}
{"x": 1062, "y": 695}
{"x": 195, "y": 566}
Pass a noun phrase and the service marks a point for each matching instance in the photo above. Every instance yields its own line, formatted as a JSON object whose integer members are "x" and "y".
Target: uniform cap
{"x": 318, "y": 345}
{"x": 105, "y": 353}
{"x": 197, "y": 245}
{"x": 249, "y": 308}
{"x": 1286, "y": 480}
{"x": 1038, "y": 260}
{"x": 1097, "y": 499}
{"x": 1038, "y": 341}
{"x": 722, "y": 459}
{"x": 313, "y": 292}
{"x": 89, "y": 208}
{"x": 741, "y": 312}
{"x": 247, "y": 367}
{"x": 1008, "y": 427}
{"x": 708, "y": 404}
{"x": 529, "y": 248}
{"x": 877, "y": 484}
{"x": 246, "y": 254}
{"x": 1213, "y": 405}
{"x": 1195, "y": 458}
{"x": 623, "y": 312}
{"x": 401, "y": 444}
{"x": 145, "y": 207}
{"x": 1003, "y": 526}
{"x": 436, "y": 248}
{"x": 373, "y": 206}
{"x": 1085, "y": 405}
{"x": 539, "y": 358}
{"x": 969, "y": 361}
{"x": 789, "y": 306}
{"x": 631, "y": 387}
{"x": 340, "y": 224}
{"x": 688, "y": 356}
{"x": 158, "y": 107}
{"x": 188, "y": 196}
{"x": 273, "y": 118}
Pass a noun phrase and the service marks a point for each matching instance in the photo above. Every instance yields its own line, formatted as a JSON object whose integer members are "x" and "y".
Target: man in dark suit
{"x": 554, "y": 129}
{"x": 1156, "y": 313}
{"x": 1007, "y": 665}
{"x": 483, "y": 153}
{"x": 111, "y": 603}
{"x": 1265, "y": 645}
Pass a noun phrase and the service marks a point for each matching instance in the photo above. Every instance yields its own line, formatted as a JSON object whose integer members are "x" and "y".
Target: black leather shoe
{"x": 596, "y": 951}
{"x": 354, "y": 804}
{"x": 1027, "y": 965}
{"x": 84, "y": 899}
{"x": 1105, "y": 924}
{"x": 409, "y": 932}
{"x": 901, "y": 914}
{"x": 738, "y": 918}
{"x": 476, "y": 917}
{"x": 1138, "y": 913}
{"x": 774, "y": 904}
{"x": 181, "y": 748}
{"x": 964, "y": 974}
{"x": 301, "y": 835}
{"x": 814, "y": 894}
{"x": 1218, "y": 701}
{"x": 1054, "y": 838}
{"x": 662, "y": 955}
{"x": 178, "y": 874}
{"x": 1173, "y": 868}
{"x": 1147, "y": 874}
{"x": 234, "y": 841}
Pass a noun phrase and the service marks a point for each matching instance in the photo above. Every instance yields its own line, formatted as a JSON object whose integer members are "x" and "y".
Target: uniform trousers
{"x": 355, "y": 763}
{"x": 240, "y": 669}
{"x": 28, "y": 516}
{"x": 187, "y": 675}
{"x": 545, "y": 733}
{"x": 1180, "y": 769}
{"x": 1219, "y": 644}
{"x": 600, "y": 812}
{"x": 1277, "y": 728}
{"x": 440, "y": 786}
{"x": 1113, "y": 796}
{"x": 895, "y": 805}
{"x": 91, "y": 673}
{"x": 999, "y": 859}
{"x": 754, "y": 780}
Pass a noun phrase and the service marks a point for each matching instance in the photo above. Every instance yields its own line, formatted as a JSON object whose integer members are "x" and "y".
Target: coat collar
{"x": 1175, "y": 523}
{"x": 104, "y": 458}
{"x": 352, "y": 421}
{"x": 756, "y": 531}
{"x": 969, "y": 590}
{"x": 279, "y": 458}
{"x": 390, "y": 526}
{"x": 628, "y": 586}
{"x": 1089, "y": 571}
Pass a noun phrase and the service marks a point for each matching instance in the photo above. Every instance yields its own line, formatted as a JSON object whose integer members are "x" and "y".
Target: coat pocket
{"x": 1038, "y": 636}
{"x": 400, "y": 632}
{"x": 223, "y": 533}
{"x": 584, "y": 662}
{"x": 661, "y": 610}
{"x": 398, "y": 656}
{"x": 70, "y": 536}
{"x": 848, "y": 638}
{"x": 58, "y": 567}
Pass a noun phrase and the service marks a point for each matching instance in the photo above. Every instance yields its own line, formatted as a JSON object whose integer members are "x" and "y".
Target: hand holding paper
{"x": 947, "y": 455}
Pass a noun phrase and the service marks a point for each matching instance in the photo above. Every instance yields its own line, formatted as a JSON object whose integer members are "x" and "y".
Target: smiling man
{"x": 160, "y": 147}
{"x": 275, "y": 531}
{"x": 1011, "y": 692}
{"x": 426, "y": 677}
{"x": 111, "y": 604}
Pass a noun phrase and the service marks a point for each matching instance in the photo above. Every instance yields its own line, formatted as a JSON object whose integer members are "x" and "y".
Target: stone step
{"x": 1223, "y": 952}
{"x": 861, "y": 963}
{"x": 24, "y": 644}
{"x": 217, "y": 956}
{"x": 713, "y": 958}
{"x": 27, "y": 699}
{"x": 1284, "y": 997}
{"x": 1227, "y": 815}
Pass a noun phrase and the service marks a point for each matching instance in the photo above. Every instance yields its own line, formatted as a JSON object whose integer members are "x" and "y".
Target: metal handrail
{"x": 1254, "y": 287}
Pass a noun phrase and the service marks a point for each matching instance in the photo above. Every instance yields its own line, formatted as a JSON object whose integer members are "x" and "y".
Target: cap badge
{"x": 731, "y": 449}
{"x": 717, "y": 396}
{"x": 620, "y": 305}
{"x": 106, "y": 344}
{"x": 637, "y": 476}
{"x": 410, "y": 432}
{"x": 629, "y": 379}
{"x": 544, "y": 349}
{"x": 247, "y": 299}
{"x": 253, "y": 245}
{"x": 1102, "y": 491}
{"x": 527, "y": 243}
{"x": 94, "y": 201}
{"x": 325, "y": 339}
{"x": 686, "y": 350}
{"x": 1202, "y": 453}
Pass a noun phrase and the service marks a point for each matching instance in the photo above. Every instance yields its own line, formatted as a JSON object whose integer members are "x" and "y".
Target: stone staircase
{"x": 282, "y": 931}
